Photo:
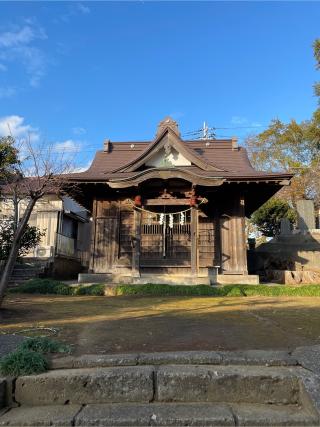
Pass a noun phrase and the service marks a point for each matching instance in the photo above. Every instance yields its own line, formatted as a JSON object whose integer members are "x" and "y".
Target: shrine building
{"x": 172, "y": 210}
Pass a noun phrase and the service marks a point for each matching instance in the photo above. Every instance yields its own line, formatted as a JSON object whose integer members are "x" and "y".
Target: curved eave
{"x": 166, "y": 173}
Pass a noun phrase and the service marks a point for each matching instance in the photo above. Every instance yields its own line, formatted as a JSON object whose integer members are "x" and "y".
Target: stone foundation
{"x": 287, "y": 277}
{"x": 169, "y": 279}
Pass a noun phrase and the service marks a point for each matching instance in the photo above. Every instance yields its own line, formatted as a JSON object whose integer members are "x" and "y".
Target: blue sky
{"x": 75, "y": 73}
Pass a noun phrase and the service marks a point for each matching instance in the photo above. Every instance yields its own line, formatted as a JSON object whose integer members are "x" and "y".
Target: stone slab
{"x": 155, "y": 414}
{"x": 272, "y": 415}
{"x": 258, "y": 357}
{"x": 308, "y": 357}
{"x": 227, "y": 384}
{"x": 248, "y": 357}
{"x": 292, "y": 277}
{"x": 181, "y": 357}
{"x": 238, "y": 279}
{"x": 94, "y": 278}
{"x": 94, "y": 361}
{"x": 310, "y": 392}
{"x": 81, "y": 386}
{"x": 168, "y": 279}
{"x": 40, "y": 416}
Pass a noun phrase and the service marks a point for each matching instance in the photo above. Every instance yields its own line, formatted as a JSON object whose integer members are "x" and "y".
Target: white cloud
{"x": 79, "y": 131}
{"x": 68, "y": 146}
{"x": 82, "y": 168}
{"x": 7, "y": 92}
{"x": 18, "y": 47}
{"x": 238, "y": 120}
{"x": 21, "y": 36}
{"x": 16, "y": 126}
{"x": 82, "y": 8}
{"x": 73, "y": 10}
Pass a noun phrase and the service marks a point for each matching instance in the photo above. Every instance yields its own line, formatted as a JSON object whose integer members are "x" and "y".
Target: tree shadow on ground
{"x": 124, "y": 324}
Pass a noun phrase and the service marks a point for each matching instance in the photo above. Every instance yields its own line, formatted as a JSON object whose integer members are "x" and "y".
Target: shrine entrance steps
{"x": 162, "y": 389}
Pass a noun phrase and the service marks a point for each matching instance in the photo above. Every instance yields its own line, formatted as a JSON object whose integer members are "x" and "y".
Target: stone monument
{"x": 306, "y": 215}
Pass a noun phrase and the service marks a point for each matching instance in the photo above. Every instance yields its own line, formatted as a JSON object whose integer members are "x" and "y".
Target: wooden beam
{"x": 136, "y": 244}
{"x": 194, "y": 241}
{"x": 166, "y": 202}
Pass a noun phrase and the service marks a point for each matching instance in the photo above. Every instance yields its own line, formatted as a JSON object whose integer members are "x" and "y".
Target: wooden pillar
{"x": 194, "y": 241}
{"x": 243, "y": 241}
{"x": 136, "y": 244}
{"x": 93, "y": 235}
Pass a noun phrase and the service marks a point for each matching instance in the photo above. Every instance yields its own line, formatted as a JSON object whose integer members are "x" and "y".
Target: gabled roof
{"x": 168, "y": 138}
{"x": 125, "y": 162}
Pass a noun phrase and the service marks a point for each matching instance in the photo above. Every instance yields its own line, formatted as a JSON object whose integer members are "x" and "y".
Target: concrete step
{"x": 24, "y": 272}
{"x": 159, "y": 414}
{"x": 168, "y": 383}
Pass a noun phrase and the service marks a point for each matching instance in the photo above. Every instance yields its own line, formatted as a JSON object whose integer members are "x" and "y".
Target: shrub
{"x": 43, "y": 286}
{"x": 94, "y": 290}
{"x": 23, "y": 362}
{"x": 268, "y": 217}
{"x": 43, "y": 345}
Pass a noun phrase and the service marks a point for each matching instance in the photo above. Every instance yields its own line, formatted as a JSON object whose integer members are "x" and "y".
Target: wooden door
{"x": 162, "y": 245}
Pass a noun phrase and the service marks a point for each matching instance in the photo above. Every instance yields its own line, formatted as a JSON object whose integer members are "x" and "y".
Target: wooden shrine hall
{"x": 172, "y": 210}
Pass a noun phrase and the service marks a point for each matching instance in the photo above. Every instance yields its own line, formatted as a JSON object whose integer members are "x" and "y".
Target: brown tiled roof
{"x": 233, "y": 163}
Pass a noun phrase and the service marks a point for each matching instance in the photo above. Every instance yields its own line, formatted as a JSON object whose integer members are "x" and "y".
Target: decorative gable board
{"x": 167, "y": 158}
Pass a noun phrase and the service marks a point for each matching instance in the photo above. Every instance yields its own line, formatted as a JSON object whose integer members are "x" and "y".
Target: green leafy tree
{"x": 292, "y": 147}
{"x": 316, "y": 51}
{"x": 30, "y": 239}
{"x": 39, "y": 171}
{"x": 8, "y": 157}
{"x": 268, "y": 217}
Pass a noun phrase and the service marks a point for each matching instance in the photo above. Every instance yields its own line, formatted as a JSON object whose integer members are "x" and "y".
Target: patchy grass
{"x": 55, "y": 287}
{"x": 44, "y": 345}
{"x": 94, "y": 290}
{"x": 29, "y": 358}
{"x": 50, "y": 286}
{"x": 42, "y": 286}
{"x": 218, "y": 291}
{"x": 23, "y": 362}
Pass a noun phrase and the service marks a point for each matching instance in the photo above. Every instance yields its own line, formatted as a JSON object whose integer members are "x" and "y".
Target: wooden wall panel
{"x": 206, "y": 241}
{"x": 112, "y": 232}
{"x": 232, "y": 234}
{"x": 105, "y": 241}
{"x": 106, "y": 244}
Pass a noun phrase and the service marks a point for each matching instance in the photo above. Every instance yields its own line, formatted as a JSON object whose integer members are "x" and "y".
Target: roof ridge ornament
{"x": 166, "y": 123}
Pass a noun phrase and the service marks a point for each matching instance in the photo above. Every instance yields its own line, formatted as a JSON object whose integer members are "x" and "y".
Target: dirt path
{"x": 134, "y": 324}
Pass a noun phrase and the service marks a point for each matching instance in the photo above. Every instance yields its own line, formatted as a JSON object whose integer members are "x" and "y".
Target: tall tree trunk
{"x": 14, "y": 250}
{"x": 15, "y": 210}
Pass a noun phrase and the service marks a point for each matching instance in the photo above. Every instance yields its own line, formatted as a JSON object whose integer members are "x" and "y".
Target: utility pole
{"x": 205, "y": 131}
